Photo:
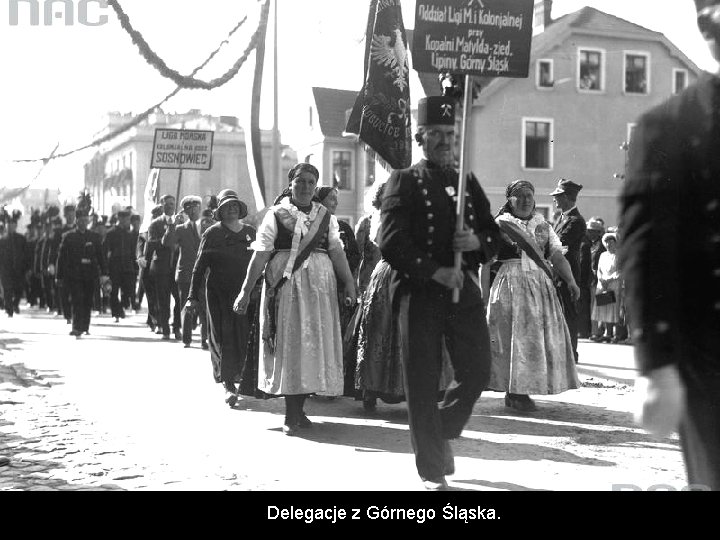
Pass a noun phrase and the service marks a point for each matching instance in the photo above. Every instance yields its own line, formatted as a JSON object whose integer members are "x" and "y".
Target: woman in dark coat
{"x": 328, "y": 197}
{"x": 225, "y": 251}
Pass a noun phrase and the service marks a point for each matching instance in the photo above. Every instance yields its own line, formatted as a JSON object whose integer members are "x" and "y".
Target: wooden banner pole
{"x": 180, "y": 174}
{"x": 460, "y": 213}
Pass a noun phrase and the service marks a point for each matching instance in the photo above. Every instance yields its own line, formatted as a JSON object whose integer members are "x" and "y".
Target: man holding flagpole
{"x": 418, "y": 240}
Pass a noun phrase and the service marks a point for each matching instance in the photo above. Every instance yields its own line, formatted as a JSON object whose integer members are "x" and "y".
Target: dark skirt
{"x": 249, "y": 374}
{"x": 227, "y": 336}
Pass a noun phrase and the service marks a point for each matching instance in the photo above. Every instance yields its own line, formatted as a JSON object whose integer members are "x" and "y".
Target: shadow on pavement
{"x": 389, "y": 439}
{"x": 579, "y": 434}
{"x": 35, "y": 463}
{"x": 18, "y": 375}
{"x": 9, "y": 343}
{"x": 132, "y": 339}
{"x": 35, "y": 473}
{"x": 505, "y": 486}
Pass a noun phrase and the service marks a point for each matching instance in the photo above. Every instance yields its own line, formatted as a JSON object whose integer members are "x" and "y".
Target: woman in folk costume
{"x": 531, "y": 347}
{"x": 298, "y": 247}
{"x": 379, "y": 367}
{"x": 328, "y": 197}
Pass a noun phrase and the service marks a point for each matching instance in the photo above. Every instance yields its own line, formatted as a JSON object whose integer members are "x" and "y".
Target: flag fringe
{"x": 377, "y": 157}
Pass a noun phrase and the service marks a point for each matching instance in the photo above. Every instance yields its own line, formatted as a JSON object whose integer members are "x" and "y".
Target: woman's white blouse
{"x": 267, "y": 232}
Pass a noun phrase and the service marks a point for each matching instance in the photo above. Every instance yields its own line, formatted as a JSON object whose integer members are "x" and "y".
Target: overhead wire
{"x": 142, "y": 116}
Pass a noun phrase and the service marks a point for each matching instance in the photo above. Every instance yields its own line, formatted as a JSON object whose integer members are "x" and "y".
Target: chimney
{"x": 542, "y": 16}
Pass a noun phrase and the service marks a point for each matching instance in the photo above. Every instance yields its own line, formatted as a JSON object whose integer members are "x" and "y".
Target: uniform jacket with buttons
{"x": 418, "y": 222}
{"x": 571, "y": 229}
{"x": 669, "y": 246}
{"x": 119, "y": 246}
{"x": 81, "y": 256}
{"x": 13, "y": 262}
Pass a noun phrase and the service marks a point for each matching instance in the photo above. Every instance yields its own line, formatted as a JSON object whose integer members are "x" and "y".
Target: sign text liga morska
{"x": 182, "y": 149}
{"x": 488, "y": 38}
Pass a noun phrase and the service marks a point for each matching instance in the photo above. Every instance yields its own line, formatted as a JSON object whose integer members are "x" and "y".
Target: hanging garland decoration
{"x": 181, "y": 80}
{"x": 119, "y": 130}
{"x": 142, "y": 116}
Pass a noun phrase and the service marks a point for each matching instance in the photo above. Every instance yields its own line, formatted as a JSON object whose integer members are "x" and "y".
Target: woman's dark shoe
{"x": 520, "y": 402}
{"x": 290, "y": 428}
{"x": 370, "y": 404}
{"x": 435, "y": 484}
{"x": 596, "y": 339}
{"x": 231, "y": 397}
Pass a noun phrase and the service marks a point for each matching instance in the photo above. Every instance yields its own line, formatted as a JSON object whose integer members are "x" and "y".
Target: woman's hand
{"x": 574, "y": 291}
{"x": 350, "y": 294}
{"x": 241, "y": 303}
{"x": 192, "y": 305}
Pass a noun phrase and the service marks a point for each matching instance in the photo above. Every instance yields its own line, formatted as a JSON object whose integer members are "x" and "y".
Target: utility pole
{"x": 275, "y": 168}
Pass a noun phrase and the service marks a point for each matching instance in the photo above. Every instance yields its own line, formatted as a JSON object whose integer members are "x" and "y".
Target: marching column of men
{"x": 63, "y": 265}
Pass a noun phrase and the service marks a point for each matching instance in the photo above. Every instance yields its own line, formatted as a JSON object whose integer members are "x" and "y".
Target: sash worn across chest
{"x": 312, "y": 233}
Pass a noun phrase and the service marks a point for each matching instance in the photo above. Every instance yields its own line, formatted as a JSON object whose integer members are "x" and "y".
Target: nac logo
{"x": 58, "y": 9}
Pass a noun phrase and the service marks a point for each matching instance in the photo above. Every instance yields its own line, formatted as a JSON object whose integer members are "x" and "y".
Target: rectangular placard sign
{"x": 489, "y": 38}
{"x": 182, "y": 149}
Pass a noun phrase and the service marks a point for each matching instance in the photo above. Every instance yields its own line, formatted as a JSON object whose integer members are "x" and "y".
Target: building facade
{"x": 340, "y": 158}
{"x": 117, "y": 174}
{"x": 591, "y": 76}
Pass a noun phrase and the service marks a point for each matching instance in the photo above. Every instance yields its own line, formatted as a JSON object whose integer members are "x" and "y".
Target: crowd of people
{"x": 302, "y": 305}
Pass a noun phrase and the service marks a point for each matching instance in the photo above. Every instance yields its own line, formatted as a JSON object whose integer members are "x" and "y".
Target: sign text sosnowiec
{"x": 489, "y": 38}
{"x": 182, "y": 149}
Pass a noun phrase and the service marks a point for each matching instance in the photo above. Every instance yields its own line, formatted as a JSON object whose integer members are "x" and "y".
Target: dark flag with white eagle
{"x": 381, "y": 116}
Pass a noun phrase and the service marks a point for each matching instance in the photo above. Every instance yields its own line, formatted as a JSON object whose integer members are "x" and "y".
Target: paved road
{"x": 122, "y": 410}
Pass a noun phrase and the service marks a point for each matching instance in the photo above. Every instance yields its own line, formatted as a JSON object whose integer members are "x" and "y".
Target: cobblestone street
{"x": 122, "y": 410}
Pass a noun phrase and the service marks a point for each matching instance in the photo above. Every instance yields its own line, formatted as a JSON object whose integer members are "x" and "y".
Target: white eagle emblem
{"x": 395, "y": 56}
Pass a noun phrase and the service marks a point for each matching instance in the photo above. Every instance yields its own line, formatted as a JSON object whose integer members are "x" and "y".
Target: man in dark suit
{"x": 418, "y": 240}
{"x": 79, "y": 265}
{"x": 146, "y": 280}
{"x": 13, "y": 265}
{"x": 48, "y": 262}
{"x": 64, "y": 304}
{"x": 571, "y": 229}
{"x": 159, "y": 255}
{"x": 119, "y": 247}
{"x": 669, "y": 252}
{"x": 136, "y": 300}
{"x": 186, "y": 239}
{"x": 37, "y": 260}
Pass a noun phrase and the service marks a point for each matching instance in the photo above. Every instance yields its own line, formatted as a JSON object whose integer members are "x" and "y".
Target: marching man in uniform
{"x": 80, "y": 262}
{"x": 418, "y": 240}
